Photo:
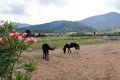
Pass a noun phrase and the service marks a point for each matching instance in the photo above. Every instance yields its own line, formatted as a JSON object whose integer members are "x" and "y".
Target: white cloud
{"x": 114, "y": 4}
{"x": 56, "y": 3}
{"x": 13, "y": 7}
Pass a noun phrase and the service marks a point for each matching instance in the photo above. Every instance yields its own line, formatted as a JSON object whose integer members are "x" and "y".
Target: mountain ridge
{"x": 109, "y": 21}
{"x": 104, "y": 21}
{"x": 59, "y": 27}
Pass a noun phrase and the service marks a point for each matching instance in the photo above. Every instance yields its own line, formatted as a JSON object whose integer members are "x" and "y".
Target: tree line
{"x": 36, "y": 34}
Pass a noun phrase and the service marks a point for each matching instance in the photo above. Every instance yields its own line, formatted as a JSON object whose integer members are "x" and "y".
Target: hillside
{"x": 59, "y": 26}
{"x": 107, "y": 21}
{"x": 20, "y": 25}
{"x": 104, "y": 22}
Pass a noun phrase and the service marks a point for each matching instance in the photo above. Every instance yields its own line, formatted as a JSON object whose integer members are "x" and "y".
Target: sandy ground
{"x": 94, "y": 62}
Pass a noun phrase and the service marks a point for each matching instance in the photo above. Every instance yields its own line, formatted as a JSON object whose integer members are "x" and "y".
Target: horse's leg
{"x": 48, "y": 57}
{"x": 43, "y": 54}
{"x": 70, "y": 50}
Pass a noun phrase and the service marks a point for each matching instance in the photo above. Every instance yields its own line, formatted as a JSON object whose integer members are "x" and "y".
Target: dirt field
{"x": 94, "y": 62}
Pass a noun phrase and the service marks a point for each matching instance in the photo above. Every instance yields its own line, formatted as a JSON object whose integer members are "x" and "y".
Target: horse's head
{"x": 77, "y": 47}
{"x": 64, "y": 49}
{"x": 66, "y": 46}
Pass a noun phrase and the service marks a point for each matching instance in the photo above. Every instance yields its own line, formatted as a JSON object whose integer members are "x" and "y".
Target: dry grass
{"x": 94, "y": 62}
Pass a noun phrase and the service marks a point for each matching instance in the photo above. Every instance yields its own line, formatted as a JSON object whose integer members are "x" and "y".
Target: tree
{"x": 29, "y": 32}
{"x": 33, "y": 34}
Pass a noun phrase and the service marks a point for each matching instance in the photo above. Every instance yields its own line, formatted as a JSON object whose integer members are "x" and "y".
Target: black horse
{"x": 46, "y": 48}
{"x": 71, "y": 45}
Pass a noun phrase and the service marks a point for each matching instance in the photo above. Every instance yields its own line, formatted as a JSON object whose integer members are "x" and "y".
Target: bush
{"x": 12, "y": 44}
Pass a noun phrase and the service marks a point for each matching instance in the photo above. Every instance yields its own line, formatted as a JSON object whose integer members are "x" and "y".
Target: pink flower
{"x": 17, "y": 34}
{"x": 19, "y": 37}
{"x": 13, "y": 30}
{"x": 11, "y": 34}
{"x": 24, "y": 34}
{"x": 2, "y": 22}
{"x": 1, "y": 40}
{"x": 33, "y": 40}
{"x": 28, "y": 39}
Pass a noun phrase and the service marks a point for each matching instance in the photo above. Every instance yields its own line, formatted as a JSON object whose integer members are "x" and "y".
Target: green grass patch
{"x": 62, "y": 40}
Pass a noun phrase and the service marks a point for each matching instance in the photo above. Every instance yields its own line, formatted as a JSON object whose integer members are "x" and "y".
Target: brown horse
{"x": 45, "y": 49}
{"x": 71, "y": 45}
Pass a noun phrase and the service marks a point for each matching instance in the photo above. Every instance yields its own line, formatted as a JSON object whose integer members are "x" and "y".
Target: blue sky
{"x": 43, "y": 11}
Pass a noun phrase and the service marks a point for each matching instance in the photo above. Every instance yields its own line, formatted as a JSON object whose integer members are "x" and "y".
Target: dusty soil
{"x": 94, "y": 62}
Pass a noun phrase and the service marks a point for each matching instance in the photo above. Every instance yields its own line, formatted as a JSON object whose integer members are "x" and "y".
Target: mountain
{"x": 59, "y": 27}
{"x": 20, "y": 25}
{"x": 107, "y": 21}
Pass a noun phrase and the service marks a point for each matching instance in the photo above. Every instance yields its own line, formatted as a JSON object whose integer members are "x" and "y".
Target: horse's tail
{"x": 52, "y": 48}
